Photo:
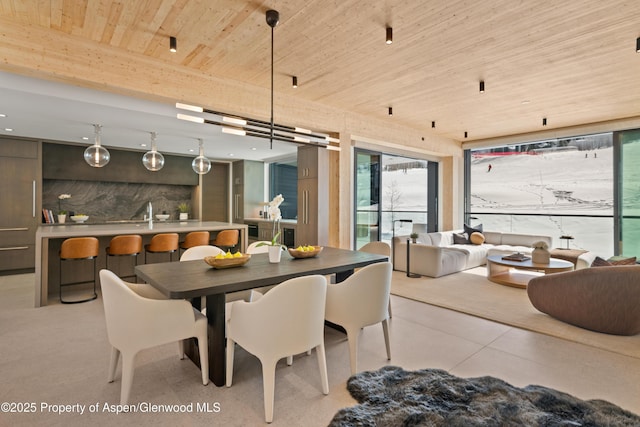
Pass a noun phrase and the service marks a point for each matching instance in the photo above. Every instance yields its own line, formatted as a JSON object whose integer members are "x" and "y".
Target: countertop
{"x": 104, "y": 229}
{"x": 282, "y": 221}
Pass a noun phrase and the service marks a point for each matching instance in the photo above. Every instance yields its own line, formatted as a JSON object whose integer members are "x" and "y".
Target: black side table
{"x": 409, "y": 274}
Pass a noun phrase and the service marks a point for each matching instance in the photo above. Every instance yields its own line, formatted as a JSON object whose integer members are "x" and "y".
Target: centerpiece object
{"x": 540, "y": 253}
{"x": 305, "y": 251}
{"x": 274, "y": 214}
{"x": 80, "y": 218}
{"x": 227, "y": 260}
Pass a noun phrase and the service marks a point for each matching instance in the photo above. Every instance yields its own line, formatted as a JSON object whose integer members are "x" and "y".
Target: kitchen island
{"x": 50, "y": 237}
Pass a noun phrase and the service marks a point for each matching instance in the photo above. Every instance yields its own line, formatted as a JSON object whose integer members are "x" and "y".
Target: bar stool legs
{"x": 77, "y": 249}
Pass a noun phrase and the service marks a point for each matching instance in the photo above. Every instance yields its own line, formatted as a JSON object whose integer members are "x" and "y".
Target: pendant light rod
{"x": 273, "y": 17}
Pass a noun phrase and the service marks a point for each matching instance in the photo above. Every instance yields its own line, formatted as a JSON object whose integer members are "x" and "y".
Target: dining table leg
{"x": 217, "y": 356}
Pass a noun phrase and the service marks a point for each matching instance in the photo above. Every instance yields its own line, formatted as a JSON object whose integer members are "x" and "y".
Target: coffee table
{"x": 518, "y": 273}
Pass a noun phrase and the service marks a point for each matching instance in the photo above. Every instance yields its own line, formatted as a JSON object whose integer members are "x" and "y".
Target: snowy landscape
{"x": 570, "y": 182}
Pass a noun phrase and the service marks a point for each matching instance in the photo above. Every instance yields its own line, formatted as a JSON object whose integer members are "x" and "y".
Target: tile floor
{"x": 58, "y": 355}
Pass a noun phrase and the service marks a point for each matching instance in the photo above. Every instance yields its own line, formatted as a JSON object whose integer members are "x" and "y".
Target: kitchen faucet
{"x": 150, "y": 213}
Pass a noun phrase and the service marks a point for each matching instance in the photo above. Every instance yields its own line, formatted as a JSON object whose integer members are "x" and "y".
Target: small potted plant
{"x": 414, "y": 237}
{"x": 183, "y": 208}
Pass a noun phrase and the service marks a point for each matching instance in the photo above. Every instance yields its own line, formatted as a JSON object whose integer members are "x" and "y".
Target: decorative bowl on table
{"x": 80, "y": 218}
{"x": 162, "y": 217}
{"x": 227, "y": 262}
{"x": 305, "y": 251}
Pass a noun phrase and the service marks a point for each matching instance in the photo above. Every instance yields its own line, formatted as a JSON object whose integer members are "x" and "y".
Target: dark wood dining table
{"x": 193, "y": 279}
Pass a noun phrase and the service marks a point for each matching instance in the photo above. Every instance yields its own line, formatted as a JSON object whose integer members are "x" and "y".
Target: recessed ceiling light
{"x": 143, "y": 145}
{"x": 231, "y": 154}
{"x": 85, "y": 138}
{"x": 3, "y": 115}
{"x": 8, "y": 129}
{"x": 253, "y": 148}
{"x": 525, "y": 102}
{"x": 191, "y": 150}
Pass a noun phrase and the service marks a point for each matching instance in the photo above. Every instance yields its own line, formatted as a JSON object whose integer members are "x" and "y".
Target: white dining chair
{"x": 379, "y": 248}
{"x": 361, "y": 300}
{"x": 288, "y": 320}
{"x": 200, "y": 252}
{"x": 135, "y": 323}
{"x": 253, "y": 248}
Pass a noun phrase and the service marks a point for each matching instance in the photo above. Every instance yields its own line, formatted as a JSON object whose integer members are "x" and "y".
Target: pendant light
{"x": 201, "y": 164}
{"x": 97, "y": 156}
{"x": 272, "y": 17}
{"x": 153, "y": 160}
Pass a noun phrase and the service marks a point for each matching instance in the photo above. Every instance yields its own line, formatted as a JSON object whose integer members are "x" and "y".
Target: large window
{"x": 558, "y": 187}
{"x": 391, "y": 194}
{"x": 629, "y": 191}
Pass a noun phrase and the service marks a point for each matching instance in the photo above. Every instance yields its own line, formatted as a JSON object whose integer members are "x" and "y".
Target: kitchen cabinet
{"x": 20, "y": 192}
{"x": 313, "y": 197}
{"x": 248, "y": 189}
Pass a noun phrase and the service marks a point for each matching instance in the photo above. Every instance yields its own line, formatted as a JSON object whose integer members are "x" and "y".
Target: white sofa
{"x": 436, "y": 255}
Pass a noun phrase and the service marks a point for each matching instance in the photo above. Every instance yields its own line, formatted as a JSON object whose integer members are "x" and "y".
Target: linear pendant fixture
{"x": 638, "y": 45}
{"x": 96, "y": 155}
{"x": 481, "y": 86}
{"x": 252, "y": 127}
{"x": 295, "y": 82}
{"x": 173, "y": 44}
{"x": 389, "y": 35}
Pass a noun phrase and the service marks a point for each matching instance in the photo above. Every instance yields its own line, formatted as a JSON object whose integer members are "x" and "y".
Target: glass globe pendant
{"x": 201, "y": 164}
{"x": 153, "y": 160}
{"x": 97, "y": 156}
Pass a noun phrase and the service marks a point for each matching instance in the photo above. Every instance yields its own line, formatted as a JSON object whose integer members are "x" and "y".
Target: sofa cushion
{"x": 460, "y": 238}
{"x": 523, "y": 239}
{"x": 424, "y": 238}
{"x": 470, "y": 230}
{"x": 436, "y": 238}
{"x": 476, "y": 238}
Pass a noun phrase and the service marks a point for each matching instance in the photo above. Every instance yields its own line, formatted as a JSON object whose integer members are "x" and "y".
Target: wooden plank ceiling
{"x": 573, "y": 62}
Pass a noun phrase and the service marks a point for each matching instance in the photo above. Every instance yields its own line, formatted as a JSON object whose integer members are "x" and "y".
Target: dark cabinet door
{"x": 19, "y": 213}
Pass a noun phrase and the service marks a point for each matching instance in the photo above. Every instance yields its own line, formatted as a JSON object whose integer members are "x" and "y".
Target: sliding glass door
{"x": 393, "y": 196}
{"x": 628, "y": 192}
{"x": 367, "y": 197}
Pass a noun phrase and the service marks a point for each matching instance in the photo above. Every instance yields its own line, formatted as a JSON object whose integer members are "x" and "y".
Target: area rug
{"x": 392, "y": 396}
{"x": 470, "y": 292}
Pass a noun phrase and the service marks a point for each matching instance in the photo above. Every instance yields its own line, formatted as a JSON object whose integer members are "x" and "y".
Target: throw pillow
{"x": 460, "y": 238}
{"x": 470, "y": 230}
{"x": 476, "y": 238}
{"x": 600, "y": 262}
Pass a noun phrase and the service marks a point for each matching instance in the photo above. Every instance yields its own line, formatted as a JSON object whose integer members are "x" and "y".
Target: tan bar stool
{"x": 125, "y": 245}
{"x": 195, "y": 238}
{"x": 77, "y": 249}
{"x": 162, "y": 243}
{"x": 226, "y": 239}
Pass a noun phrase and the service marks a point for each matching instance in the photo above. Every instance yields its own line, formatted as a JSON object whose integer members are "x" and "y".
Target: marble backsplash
{"x": 108, "y": 201}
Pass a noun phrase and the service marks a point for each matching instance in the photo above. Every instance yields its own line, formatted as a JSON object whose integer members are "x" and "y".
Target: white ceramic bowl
{"x": 162, "y": 217}
{"x": 80, "y": 218}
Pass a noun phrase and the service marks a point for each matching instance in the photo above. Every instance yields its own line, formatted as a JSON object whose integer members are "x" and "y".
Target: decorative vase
{"x": 62, "y": 218}
{"x": 184, "y": 216}
{"x": 274, "y": 254}
{"x": 540, "y": 256}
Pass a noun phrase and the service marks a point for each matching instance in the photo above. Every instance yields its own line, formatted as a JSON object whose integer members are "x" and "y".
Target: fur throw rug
{"x": 392, "y": 396}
